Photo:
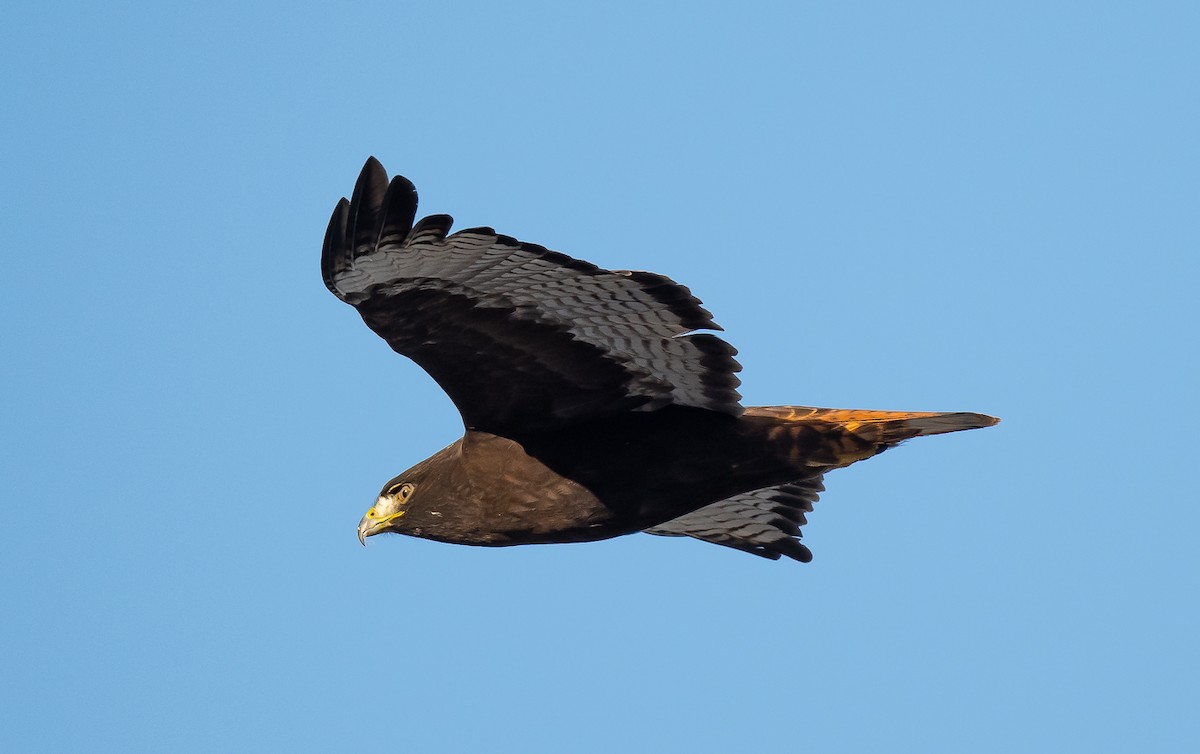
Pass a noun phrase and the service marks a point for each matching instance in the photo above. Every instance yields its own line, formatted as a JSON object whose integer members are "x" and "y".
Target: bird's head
{"x": 387, "y": 513}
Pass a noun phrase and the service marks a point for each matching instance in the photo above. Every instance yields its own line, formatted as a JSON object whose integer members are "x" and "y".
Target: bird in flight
{"x": 596, "y": 402}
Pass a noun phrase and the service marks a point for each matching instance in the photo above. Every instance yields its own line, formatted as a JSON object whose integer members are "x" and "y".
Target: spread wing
{"x": 764, "y": 522}
{"x": 521, "y": 338}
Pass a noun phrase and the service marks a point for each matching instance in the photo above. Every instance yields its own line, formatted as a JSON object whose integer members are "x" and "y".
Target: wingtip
{"x": 399, "y": 211}
{"x": 365, "y": 204}
{"x": 332, "y": 257}
{"x": 372, "y": 175}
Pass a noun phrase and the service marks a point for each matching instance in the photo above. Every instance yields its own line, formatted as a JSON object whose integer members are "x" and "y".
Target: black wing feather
{"x": 399, "y": 211}
{"x": 764, "y": 522}
{"x": 366, "y": 204}
{"x": 522, "y": 338}
{"x": 333, "y": 256}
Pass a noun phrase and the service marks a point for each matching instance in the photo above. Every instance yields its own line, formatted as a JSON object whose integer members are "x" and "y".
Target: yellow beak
{"x": 372, "y": 524}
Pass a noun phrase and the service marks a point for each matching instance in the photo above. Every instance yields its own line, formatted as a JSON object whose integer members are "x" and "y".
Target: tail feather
{"x": 912, "y": 423}
{"x": 850, "y": 435}
{"x": 939, "y": 424}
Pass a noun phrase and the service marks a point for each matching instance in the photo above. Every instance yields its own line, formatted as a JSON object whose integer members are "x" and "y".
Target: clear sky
{"x": 921, "y": 206}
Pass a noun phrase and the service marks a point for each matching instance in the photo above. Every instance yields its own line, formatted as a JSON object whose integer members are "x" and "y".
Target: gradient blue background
{"x": 887, "y": 205}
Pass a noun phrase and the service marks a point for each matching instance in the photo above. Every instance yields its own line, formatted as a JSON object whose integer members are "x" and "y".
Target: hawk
{"x": 596, "y": 402}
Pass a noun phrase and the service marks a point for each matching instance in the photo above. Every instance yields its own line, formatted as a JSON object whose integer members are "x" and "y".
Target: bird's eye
{"x": 401, "y": 490}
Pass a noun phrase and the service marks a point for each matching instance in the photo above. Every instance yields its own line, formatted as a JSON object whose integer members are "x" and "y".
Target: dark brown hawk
{"x": 594, "y": 401}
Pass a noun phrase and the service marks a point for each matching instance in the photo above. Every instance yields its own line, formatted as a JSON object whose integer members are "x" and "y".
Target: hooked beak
{"x": 374, "y": 522}
{"x": 364, "y": 529}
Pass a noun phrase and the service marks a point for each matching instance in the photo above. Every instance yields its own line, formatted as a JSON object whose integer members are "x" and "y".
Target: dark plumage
{"x": 592, "y": 406}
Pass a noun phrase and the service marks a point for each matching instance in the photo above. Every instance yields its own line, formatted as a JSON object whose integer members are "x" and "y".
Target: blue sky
{"x": 922, "y": 206}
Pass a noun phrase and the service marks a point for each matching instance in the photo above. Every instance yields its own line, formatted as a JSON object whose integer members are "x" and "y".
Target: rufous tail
{"x": 851, "y": 435}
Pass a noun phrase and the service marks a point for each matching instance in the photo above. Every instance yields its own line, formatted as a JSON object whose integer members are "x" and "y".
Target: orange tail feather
{"x": 851, "y": 434}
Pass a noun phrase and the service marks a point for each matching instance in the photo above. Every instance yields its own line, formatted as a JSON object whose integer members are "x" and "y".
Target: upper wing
{"x": 520, "y": 337}
{"x": 764, "y": 522}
